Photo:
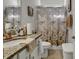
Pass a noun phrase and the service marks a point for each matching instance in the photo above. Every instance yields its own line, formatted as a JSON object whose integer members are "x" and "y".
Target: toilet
{"x": 44, "y": 48}
{"x": 68, "y": 50}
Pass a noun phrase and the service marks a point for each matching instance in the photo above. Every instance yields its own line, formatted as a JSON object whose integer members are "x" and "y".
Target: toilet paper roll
{"x": 29, "y": 28}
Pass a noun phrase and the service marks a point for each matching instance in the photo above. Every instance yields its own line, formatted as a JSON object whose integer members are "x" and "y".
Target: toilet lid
{"x": 68, "y": 47}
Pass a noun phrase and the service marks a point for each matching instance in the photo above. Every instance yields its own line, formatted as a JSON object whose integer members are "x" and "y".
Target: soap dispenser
{"x": 21, "y": 32}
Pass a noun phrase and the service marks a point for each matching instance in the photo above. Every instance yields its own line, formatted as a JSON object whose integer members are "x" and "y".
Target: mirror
{"x": 11, "y": 19}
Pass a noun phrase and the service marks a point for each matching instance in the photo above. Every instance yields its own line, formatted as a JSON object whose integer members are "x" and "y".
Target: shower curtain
{"x": 52, "y": 24}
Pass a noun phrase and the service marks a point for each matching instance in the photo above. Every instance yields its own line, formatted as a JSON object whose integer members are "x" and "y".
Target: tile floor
{"x": 54, "y": 54}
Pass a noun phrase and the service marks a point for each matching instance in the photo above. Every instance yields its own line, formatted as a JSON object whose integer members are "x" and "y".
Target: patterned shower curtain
{"x": 52, "y": 24}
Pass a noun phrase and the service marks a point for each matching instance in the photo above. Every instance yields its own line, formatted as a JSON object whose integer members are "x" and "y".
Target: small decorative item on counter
{"x": 13, "y": 32}
{"x": 8, "y": 26}
{"x": 29, "y": 28}
{"x": 8, "y": 35}
{"x": 25, "y": 29}
{"x": 21, "y": 33}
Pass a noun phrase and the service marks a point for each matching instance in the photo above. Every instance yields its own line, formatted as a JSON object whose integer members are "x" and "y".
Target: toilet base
{"x": 45, "y": 54}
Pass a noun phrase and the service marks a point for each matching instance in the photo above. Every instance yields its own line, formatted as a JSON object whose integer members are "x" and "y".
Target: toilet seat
{"x": 68, "y": 47}
{"x": 45, "y": 44}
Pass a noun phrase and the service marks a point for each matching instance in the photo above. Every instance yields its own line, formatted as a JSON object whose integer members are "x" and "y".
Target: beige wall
{"x": 25, "y": 18}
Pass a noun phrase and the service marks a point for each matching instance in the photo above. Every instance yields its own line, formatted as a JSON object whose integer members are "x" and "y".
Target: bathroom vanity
{"x": 22, "y": 48}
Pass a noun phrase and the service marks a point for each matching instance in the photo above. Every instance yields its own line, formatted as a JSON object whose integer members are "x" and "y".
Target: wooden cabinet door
{"x": 34, "y": 54}
{"x": 14, "y": 57}
{"x": 24, "y": 54}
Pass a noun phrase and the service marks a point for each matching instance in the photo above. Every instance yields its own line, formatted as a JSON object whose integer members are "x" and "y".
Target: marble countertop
{"x": 9, "y": 51}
